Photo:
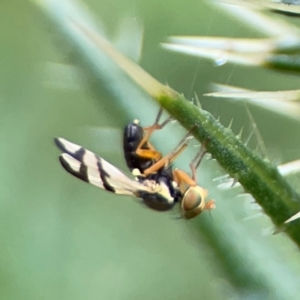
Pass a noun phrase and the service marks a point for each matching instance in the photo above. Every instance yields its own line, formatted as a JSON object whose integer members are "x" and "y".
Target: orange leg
{"x": 186, "y": 183}
{"x": 169, "y": 158}
{"x": 151, "y": 147}
{"x": 156, "y": 124}
{"x": 191, "y": 191}
{"x": 182, "y": 177}
{"x": 149, "y": 153}
{"x": 210, "y": 204}
{"x": 156, "y": 155}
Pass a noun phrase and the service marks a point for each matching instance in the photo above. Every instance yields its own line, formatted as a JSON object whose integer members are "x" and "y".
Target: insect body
{"x": 132, "y": 138}
{"x": 157, "y": 184}
{"x": 140, "y": 155}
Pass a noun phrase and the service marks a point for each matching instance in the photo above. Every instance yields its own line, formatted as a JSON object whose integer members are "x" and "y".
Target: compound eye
{"x": 191, "y": 199}
{"x": 192, "y": 202}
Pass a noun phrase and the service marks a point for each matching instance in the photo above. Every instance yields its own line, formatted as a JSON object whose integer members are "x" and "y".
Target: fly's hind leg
{"x": 169, "y": 158}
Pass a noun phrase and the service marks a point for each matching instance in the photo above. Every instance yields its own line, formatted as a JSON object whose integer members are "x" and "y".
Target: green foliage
{"x": 259, "y": 178}
{"x": 66, "y": 240}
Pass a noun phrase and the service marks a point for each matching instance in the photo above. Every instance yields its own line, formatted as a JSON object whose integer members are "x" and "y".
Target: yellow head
{"x": 193, "y": 202}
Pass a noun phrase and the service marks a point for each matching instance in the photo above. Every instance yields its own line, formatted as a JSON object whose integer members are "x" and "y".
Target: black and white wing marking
{"x": 93, "y": 169}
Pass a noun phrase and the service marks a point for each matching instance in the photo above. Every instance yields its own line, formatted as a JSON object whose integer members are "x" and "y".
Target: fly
{"x": 158, "y": 185}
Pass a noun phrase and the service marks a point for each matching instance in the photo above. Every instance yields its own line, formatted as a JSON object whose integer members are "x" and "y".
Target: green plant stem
{"x": 259, "y": 178}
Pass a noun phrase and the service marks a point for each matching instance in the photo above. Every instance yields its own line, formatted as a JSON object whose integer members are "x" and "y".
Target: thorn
{"x": 239, "y": 136}
{"x": 218, "y": 119}
{"x": 221, "y": 178}
{"x": 261, "y": 143}
{"x": 292, "y": 218}
{"x": 255, "y": 206}
{"x": 234, "y": 182}
{"x": 256, "y": 150}
{"x": 230, "y": 124}
{"x": 268, "y": 231}
{"x": 228, "y": 185}
{"x": 197, "y": 101}
{"x": 289, "y": 168}
{"x": 244, "y": 195}
{"x": 283, "y": 226}
{"x": 249, "y": 137}
{"x": 280, "y": 229}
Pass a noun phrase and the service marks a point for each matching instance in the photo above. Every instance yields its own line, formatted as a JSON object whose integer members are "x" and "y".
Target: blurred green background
{"x": 63, "y": 239}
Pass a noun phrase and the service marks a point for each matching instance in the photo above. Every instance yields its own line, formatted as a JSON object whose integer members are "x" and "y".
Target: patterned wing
{"x": 93, "y": 169}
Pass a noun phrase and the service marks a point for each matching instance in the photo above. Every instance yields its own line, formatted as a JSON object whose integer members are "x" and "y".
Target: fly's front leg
{"x": 156, "y": 125}
{"x": 196, "y": 162}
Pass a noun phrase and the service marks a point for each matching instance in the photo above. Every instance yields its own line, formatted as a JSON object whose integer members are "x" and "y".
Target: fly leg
{"x": 169, "y": 158}
{"x": 151, "y": 152}
{"x": 196, "y": 162}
